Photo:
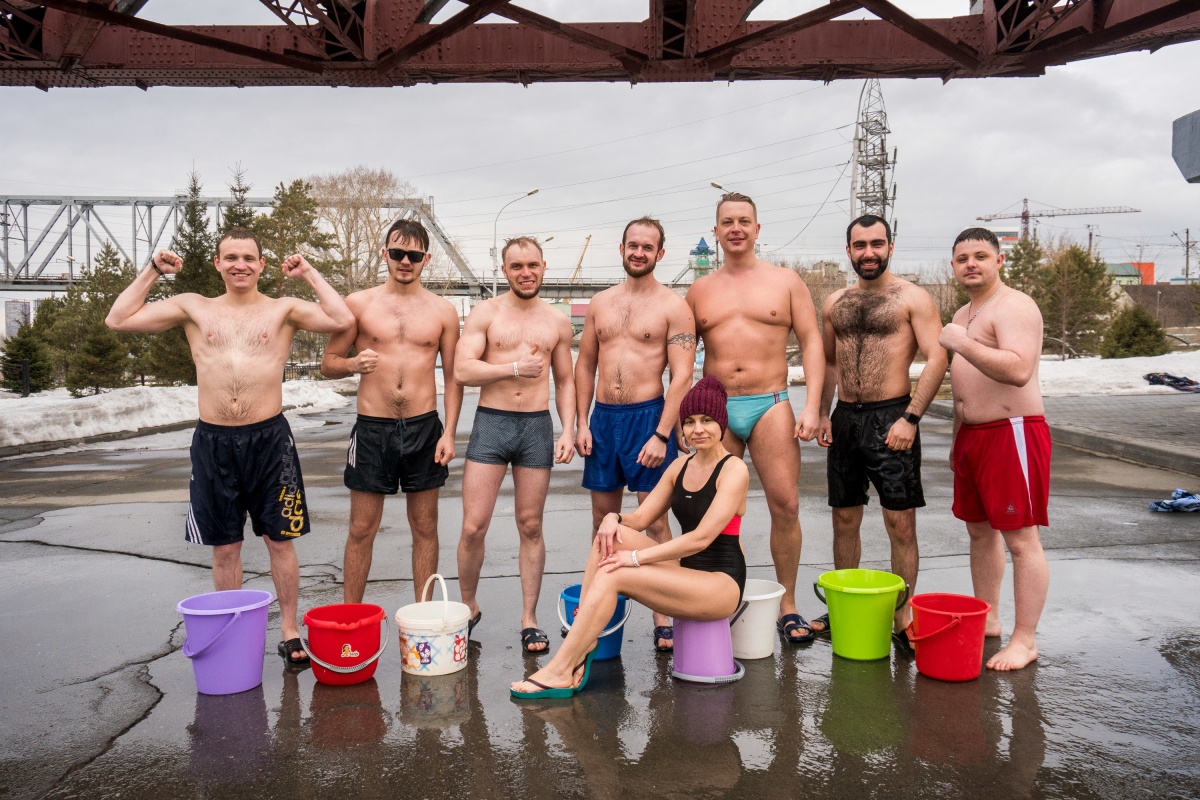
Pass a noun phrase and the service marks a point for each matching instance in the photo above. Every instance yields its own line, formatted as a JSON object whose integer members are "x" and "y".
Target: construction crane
{"x": 575, "y": 274}
{"x": 1026, "y": 214}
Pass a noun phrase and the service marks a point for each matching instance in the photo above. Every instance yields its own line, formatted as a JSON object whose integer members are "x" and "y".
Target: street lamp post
{"x": 495, "y": 228}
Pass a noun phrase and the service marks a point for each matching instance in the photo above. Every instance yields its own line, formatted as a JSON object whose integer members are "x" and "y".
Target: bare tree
{"x": 357, "y": 206}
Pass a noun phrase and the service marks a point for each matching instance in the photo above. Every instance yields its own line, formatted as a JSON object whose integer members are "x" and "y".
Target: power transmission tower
{"x": 870, "y": 192}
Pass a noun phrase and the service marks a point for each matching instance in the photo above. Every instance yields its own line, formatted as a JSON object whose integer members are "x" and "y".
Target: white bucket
{"x": 753, "y": 625}
{"x": 433, "y": 635}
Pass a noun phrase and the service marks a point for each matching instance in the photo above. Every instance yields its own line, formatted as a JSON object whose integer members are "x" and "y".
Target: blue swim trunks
{"x": 618, "y": 434}
{"x": 746, "y": 410}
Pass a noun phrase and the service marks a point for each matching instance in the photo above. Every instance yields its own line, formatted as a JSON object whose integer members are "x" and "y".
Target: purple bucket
{"x": 704, "y": 652}
{"x": 226, "y": 637}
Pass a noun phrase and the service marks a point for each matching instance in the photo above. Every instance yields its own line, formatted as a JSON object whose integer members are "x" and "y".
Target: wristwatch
{"x": 910, "y": 418}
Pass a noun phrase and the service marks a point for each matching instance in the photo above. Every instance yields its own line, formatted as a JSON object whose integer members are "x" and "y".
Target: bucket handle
{"x": 387, "y": 633}
{"x": 445, "y": 595}
{"x": 912, "y": 637}
{"x": 899, "y": 603}
{"x": 562, "y": 616}
{"x": 213, "y": 640}
{"x": 741, "y": 609}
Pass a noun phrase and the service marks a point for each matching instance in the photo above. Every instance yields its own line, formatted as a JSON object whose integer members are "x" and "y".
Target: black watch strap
{"x": 661, "y": 437}
{"x": 910, "y": 418}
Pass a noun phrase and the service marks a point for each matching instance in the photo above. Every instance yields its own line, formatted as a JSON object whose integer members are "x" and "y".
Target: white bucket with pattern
{"x": 433, "y": 634}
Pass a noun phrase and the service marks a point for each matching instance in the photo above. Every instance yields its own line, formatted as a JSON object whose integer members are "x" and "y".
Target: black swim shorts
{"x": 859, "y": 454}
{"x": 240, "y": 470}
{"x": 390, "y": 454}
{"x": 520, "y": 438}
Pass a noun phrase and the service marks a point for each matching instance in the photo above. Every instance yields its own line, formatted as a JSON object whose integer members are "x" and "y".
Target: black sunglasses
{"x": 414, "y": 256}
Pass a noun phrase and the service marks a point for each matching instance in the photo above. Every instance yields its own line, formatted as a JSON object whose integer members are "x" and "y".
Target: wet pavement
{"x": 98, "y": 700}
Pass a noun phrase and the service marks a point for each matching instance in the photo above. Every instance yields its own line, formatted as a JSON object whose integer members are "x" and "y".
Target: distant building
{"x": 701, "y": 259}
{"x": 1008, "y": 239}
{"x": 1124, "y": 275}
{"x": 1173, "y": 305}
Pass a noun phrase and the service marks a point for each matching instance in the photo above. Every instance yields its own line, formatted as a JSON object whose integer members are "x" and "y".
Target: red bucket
{"x": 345, "y": 642}
{"x": 947, "y": 633}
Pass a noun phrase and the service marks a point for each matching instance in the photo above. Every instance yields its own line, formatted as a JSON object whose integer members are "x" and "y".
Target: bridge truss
{"x": 75, "y": 43}
{"x": 42, "y": 251}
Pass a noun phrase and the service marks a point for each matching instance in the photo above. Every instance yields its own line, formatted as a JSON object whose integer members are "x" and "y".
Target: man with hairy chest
{"x": 398, "y": 442}
{"x": 872, "y": 333}
{"x": 243, "y": 456}
{"x": 506, "y": 345}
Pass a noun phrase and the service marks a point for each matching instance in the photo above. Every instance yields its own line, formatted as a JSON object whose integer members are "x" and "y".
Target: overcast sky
{"x": 1094, "y": 133}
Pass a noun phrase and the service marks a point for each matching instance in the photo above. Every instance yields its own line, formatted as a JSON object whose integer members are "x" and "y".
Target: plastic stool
{"x": 704, "y": 652}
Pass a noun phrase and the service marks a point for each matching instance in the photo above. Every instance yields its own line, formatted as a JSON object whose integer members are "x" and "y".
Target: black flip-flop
{"x": 791, "y": 622}
{"x": 472, "y": 622}
{"x": 534, "y": 636}
{"x": 824, "y": 620}
{"x": 288, "y": 648}
{"x": 664, "y": 632}
{"x": 903, "y": 645}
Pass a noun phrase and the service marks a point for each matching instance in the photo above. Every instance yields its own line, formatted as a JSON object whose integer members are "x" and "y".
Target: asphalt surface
{"x": 98, "y": 700}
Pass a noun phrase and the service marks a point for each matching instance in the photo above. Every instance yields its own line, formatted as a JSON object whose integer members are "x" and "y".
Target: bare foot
{"x": 1015, "y": 656}
{"x": 991, "y": 627}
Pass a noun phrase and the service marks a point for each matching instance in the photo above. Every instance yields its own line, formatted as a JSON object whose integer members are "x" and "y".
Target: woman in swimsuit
{"x": 699, "y": 574}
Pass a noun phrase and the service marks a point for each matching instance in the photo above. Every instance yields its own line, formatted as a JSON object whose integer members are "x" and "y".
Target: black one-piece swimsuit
{"x": 724, "y": 552}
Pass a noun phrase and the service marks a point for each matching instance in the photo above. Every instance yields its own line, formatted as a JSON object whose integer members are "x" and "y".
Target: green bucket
{"x": 861, "y": 605}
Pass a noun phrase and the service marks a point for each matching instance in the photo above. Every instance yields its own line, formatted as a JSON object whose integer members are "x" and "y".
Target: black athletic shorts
{"x": 520, "y": 438}
{"x": 245, "y": 469}
{"x": 859, "y": 454}
{"x": 390, "y": 454}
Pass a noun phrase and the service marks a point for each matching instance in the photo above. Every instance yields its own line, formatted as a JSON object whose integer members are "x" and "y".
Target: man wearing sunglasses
{"x": 506, "y": 345}
{"x": 398, "y": 442}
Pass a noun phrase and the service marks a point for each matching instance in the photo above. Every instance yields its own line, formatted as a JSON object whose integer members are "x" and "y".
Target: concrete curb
{"x": 1149, "y": 455}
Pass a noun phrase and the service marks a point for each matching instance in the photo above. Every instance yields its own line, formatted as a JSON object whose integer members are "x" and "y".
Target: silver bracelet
{"x": 633, "y": 555}
{"x": 516, "y": 373}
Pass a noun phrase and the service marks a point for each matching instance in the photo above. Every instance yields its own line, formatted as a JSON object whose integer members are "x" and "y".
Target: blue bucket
{"x": 609, "y": 645}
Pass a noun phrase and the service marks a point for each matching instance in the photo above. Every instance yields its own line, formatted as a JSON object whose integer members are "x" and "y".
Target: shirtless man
{"x": 1001, "y": 447}
{"x": 744, "y": 312}
{"x": 398, "y": 442}
{"x": 632, "y": 332}
{"x": 243, "y": 455}
{"x": 875, "y": 328}
{"x": 506, "y": 345}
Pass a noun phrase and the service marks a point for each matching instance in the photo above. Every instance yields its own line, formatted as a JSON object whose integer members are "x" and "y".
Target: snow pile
{"x": 1091, "y": 376}
{"x": 56, "y": 416}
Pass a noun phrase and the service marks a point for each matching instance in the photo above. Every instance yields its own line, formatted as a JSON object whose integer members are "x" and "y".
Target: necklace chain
{"x": 981, "y": 307}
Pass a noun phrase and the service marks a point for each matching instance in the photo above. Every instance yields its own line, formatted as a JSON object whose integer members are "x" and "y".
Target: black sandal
{"x": 291, "y": 647}
{"x": 534, "y": 636}
{"x": 664, "y": 632}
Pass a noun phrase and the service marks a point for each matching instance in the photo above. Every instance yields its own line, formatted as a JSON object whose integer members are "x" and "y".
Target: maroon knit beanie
{"x": 708, "y": 396}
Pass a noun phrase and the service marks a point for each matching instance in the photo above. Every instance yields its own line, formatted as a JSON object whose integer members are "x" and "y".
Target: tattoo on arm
{"x": 685, "y": 340}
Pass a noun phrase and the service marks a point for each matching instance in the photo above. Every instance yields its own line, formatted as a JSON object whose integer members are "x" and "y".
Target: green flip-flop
{"x": 544, "y": 692}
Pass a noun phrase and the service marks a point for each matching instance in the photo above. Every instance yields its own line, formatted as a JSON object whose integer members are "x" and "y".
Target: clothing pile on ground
{"x": 1181, "y": 500}
{"x": 1174, "y": 381}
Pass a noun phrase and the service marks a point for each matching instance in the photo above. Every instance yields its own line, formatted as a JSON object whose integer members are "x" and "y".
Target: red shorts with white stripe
{"x": 1002, "y": 473}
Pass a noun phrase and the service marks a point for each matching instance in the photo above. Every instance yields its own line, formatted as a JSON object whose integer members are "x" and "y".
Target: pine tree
{"x": 1073, "y": 291}
{"x": 27, "y": 346}
{"x": 291, "y": 227}
{"x": 195, "y": 244}
{"x": 237, "y": 214}
{"x": 99, "y": 363}
{"x": 168, "y": 356}
{"x": 1134, "y": 332}
{"x": 1022, "y": 265}
{"x": 43, "y": 327}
